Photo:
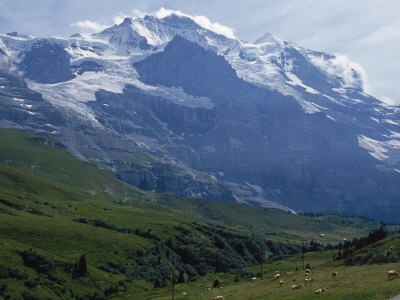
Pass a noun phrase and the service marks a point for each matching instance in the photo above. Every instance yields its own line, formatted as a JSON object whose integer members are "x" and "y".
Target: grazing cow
{"x": 306, "y": 274}
{"x": 207, "y": 289}
{"x": 220, "y": 287}
{"x": 319, "y": 291}
{"x": 392, "y": 273}
{"x": 307, "y": 270}
{"x": 280, "y": 283}
{"x": 308, "y": 280}
{"x": 341, "y": 268}
{"x": 219, "y": 298}
{"x": 290, "y": 273}
{"x": 334, "y": 274}
{"x": 296, "y": 286}
{"x": 293, "y": 279}
{"x": 277, "y": 276}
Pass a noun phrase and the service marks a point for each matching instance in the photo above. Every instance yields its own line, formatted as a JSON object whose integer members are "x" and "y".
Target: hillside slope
{"x": 130, "y": 240}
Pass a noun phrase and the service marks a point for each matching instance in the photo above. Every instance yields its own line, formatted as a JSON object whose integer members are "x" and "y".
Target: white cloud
{"x": 89, "y": 26}
{"x": 119, "y": 19}
{"x": 201, "y": 20}
{"x": 353, "y": 74}
{"x": 137, "y": 13}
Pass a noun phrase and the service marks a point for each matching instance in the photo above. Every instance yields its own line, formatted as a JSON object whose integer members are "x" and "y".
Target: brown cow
{"x": 319, "y": 291}
{"x": 277, "y": 276}
{"x": 334, "y": 274}
{"x": 307, "y": 270}
{"x": 392, "y": 273}
{"x": 293, "y": 279}
{"x": 308, "y": 280}
{"x": 296, "y": 286}
{"x": 219, "y": 298}
{"x": 280, "y": 283}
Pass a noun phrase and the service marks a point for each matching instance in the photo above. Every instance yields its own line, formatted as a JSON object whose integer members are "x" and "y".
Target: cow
{"x": 280, "y": 283}
{"x": 296, "y": 286}
{"x": 277, "y": 276}
{"x": 308, "y": 280}
{"x": 334, "y": 274}
{"x": 392, "y": 273}
{"x": 319, "y": 291}
{"x": 253, "y": 278}
{"x": 307, "y": 270}
{"x": 219, "y": 297}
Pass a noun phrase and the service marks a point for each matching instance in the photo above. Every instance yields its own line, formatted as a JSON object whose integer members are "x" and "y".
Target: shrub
{"x": 4, "y": 272}
{"x": 3, "y": 288}
{"x": 377, "y": 256}
{"x": 30, "y": 283}
{"x": 36, "y": 261}
{"x": 28, "y": 296}
{"x": 216, "y": 283}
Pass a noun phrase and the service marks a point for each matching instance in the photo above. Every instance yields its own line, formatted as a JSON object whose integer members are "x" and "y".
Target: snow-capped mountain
{"x": 170, "y": 106}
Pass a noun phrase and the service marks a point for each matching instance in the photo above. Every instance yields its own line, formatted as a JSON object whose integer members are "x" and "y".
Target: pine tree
{"x": 181, "y": 277}
{"x": 82, "y": 267}
{"x": 157, "y": 283}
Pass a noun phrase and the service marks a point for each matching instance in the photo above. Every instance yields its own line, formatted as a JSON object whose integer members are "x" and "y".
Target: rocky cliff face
{"x": 172, "y": 107}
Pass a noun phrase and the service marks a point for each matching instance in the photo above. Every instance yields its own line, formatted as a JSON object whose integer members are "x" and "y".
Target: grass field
{"x": 353, "y": 282}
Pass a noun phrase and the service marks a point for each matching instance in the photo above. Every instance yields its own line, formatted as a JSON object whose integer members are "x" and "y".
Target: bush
{"x": 374, "y": 257}
{"x": 4, "y": 272}
{"x": 53, "y": 277}
{"x": 7, "y": 272}
{"x": 36, "y": 261}
{"x": 30, "y": 283}
{"x": 216, "y": 283}
{"x": 3, "y": 288}
{"x": 28, "y": 296}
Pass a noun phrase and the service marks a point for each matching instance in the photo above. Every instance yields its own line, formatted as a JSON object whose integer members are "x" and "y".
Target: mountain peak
{"x": 267, "y": 38}
{"x": 127, "y": 21}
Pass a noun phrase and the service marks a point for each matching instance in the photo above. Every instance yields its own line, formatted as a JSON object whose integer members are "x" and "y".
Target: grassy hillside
{"x": 352, "y": 282}
{"x": 62, "y": 208}
{"x": 48, "y": 159}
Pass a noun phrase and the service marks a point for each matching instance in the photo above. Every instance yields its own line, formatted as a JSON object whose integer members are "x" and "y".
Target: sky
{"x": 366, "y": 31}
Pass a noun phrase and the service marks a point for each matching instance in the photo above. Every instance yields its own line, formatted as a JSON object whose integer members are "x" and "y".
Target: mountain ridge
{"x": 272, "y": 124}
